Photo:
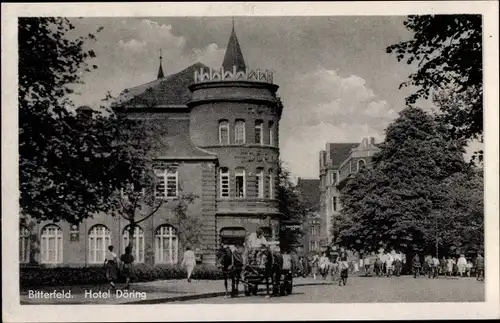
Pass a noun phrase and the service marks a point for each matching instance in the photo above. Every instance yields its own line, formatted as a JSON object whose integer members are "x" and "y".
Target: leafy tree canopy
{"x": 394, "y": 203}
{"x": 63, "y": 170}
{"x": 448, "y": 51}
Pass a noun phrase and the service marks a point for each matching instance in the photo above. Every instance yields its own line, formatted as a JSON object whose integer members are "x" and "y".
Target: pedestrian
{"x": 435, "y": 267}
{"x": 111, "y": 266}
{"x": 443, "y": 266}
{"x": 355, "y": 261}
{"x": 450, "y": 264}
{"x": 127, "y": 259}
{"x": 367, "y": 263}
{"x": 315, "y": 265}
{"x": 479, "y": 267}
{"x": 189, "y": 260}
{"x": 323, "y": 265}
{"x": 468, "y": 267}
{"x": 461, "y": 265}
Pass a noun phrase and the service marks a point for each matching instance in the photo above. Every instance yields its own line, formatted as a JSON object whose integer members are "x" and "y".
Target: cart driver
{"x": 255, "y": 242}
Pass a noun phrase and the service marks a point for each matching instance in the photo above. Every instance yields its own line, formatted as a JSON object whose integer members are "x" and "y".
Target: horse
{"x": 272, "y": 264}
{"x": 231, "y": 264}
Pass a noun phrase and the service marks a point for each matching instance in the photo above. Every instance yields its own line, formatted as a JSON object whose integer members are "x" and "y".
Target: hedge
{"x": 61, "y": 276}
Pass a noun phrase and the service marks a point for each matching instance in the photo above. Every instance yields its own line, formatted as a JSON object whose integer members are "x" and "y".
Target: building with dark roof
{"x": 309, "y": 190}
{"x": 221, "y": 144}
{"x": 336, "y": 163}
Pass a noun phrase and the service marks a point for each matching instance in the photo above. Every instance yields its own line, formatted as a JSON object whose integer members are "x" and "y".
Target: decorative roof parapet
{"x": 222, "y": 75}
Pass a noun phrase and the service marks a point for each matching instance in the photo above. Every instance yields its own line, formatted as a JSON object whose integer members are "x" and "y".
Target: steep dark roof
{"x": 233, "y": 56}
{"x": 309, "y": 190}
{"x": 168, "y": 91}
{"x": 178, "y": 144}
{"x": 340, "y": 151}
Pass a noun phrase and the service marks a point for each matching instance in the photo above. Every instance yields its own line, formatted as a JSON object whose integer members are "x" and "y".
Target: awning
{"x": 233, "y": 233}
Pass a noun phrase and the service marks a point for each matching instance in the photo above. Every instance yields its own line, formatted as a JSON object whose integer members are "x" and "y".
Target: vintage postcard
{"x": 249, "y": 161}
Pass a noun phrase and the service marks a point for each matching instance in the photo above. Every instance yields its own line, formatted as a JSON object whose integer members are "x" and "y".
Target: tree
{"x": 392, "y": 204}
{"x": 63, "y": 170}
{"x": 292, "y": 208}
{"x": 448, "y": 50}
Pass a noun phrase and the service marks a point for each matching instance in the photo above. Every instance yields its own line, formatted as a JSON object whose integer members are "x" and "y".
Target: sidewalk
{"x": 160, "y": 291}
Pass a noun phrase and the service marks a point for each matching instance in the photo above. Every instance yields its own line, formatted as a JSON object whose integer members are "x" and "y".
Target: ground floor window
{"x": 137, "y": 243}
{"x": 166, "y": 245}
{"x": 51, "y": 242}
{"x": 99, "y": 240}
{"x": 24, "y": 245}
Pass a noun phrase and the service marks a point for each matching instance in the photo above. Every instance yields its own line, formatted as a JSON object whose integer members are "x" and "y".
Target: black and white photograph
{"x": 187, "y": 156}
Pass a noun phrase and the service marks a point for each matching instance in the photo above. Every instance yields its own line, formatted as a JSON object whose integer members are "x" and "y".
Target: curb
{"x": 201, "y": 296}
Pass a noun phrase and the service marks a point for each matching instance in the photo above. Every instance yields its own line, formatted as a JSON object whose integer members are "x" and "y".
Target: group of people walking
{"x": 123, "y": 267}
{"x": 448, "y": 266}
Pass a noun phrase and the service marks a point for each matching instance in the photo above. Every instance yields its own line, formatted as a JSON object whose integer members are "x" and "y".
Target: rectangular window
{"x": 334, "y": 202}
{"x": 224, "y": 133}
{"x": 160, "y": 188}
{"x": 240, "y": 182}
{"x": 239, "y": 132}
{"x": 271, "y": 133}
{"x": 259, "y": 183}
{"x": 313, "y": 245}
{"x": 271, "y": 185}
{"x": 224, "y": 182}
{"x": 313, "y": 230}
{"x": 172, "y": 183}
{"x": 258, "y": 132}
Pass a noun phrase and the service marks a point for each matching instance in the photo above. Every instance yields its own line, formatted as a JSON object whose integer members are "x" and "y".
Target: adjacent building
{"x": 222, "y": 145}
{"x": 336, "y": 163}
{"x": 314, "y": 225}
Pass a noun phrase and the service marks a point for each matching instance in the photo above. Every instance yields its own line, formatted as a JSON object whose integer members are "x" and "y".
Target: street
{"x": 372, "y": 290}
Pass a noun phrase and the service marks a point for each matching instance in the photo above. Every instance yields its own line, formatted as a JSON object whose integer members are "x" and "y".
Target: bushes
{"x": 93, "y": 275}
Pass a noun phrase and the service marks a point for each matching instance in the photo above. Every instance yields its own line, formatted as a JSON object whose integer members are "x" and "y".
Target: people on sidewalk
{"x": 127, "y": 259}
{"x": 111, "y": 266}
{"x": 479, "y": 267}
{"x": 189, "y": 261}
{"x": 461, "y": 265}
{"x": 315, "y": 265}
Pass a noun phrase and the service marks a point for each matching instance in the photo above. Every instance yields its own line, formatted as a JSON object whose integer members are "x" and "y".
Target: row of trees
{"x": 420, "y": 193}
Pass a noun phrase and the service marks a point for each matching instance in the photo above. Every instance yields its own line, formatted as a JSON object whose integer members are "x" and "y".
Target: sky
{"x": 337, "y": 82}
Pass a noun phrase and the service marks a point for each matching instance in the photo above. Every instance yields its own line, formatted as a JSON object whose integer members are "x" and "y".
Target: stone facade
{"x": 192, "y": 109}
{"x": 336, "y": 163}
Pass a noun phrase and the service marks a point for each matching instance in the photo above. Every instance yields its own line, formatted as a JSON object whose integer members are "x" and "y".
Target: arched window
{"x": 224, "y": 132}
{"x": 239, "y": 175}
{"x": 361, "y": 164}
{"x": 270, "y": 181}
{"x": 137, "y": 243}
{"x": 166, "y": 245}
{"x": 99, "y": 240}
{"x": 24, "y": 245}
{"x": 239, "y": 132}
{"x": 51, "y": 244}
{"x": 224, "y": 182}
{"x": 271, "y": 133}
{"x": 259, "y": 132}
{"x": 259, "y": 182}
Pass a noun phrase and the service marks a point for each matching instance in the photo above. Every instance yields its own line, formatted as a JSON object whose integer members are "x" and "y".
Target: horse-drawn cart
{"x": 279, "y": 275}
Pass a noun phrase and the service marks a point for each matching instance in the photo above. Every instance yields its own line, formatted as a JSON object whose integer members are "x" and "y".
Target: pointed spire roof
{"x": 234, "y": 56}
{"x": 160, "y": 70}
